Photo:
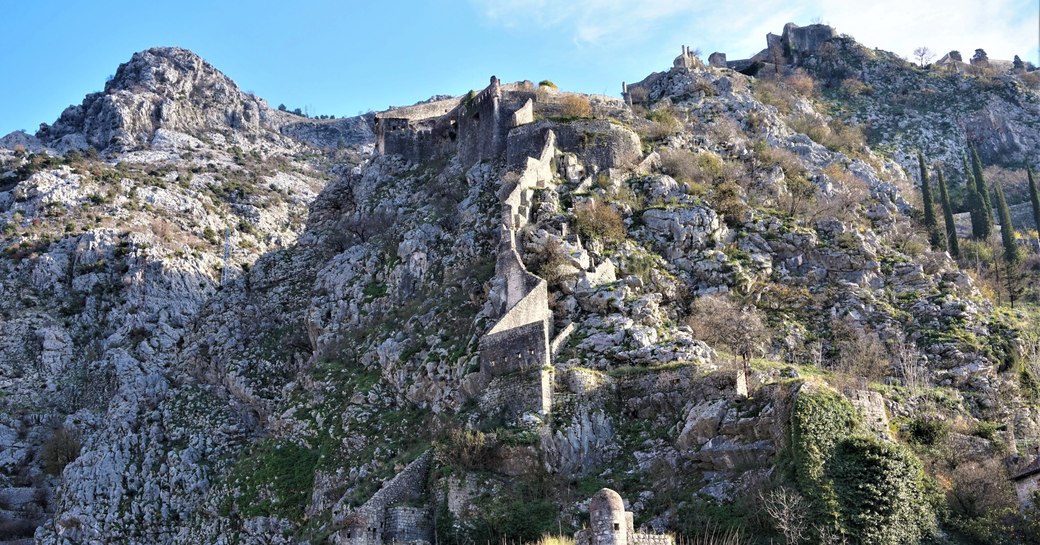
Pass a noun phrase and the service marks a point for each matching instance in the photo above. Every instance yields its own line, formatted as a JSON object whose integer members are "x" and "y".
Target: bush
{"x": 881, "y": 491}
{"x": 547, "y": 83}
{"x": 470, "y": 449}
{"x": 928, "y": 431}
{"x": 801, "y": 83}
{"x": 576, "y": 106}
{"x": 692, "y": 167}
{"x": 600, "y": 222}
{"x": 853, "y": 87}
{"x": 60, "y": 450}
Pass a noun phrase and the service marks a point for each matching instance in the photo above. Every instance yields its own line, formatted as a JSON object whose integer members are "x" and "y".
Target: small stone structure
{"x": 1027, "y": 483}
{"x": 610, "y": 524}
{"x": 389, "y": 516}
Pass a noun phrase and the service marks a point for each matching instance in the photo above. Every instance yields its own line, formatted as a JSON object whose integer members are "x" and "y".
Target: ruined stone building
{"x": 474, "y": 126}
{"x": 394, "y": 514}
{"x": 611, "y": 524}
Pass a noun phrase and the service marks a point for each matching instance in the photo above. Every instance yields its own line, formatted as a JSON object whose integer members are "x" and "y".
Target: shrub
{"x": 575, "y": 106}
{"x": 728, "y": 200}
{"x": 600, "y": 221}
{"x": 60, "y": 450}
{"x": 801, "y": 83}
{"x": 470, "y": 449}
{"x": 692, "y": 167}
{"x": 547, "y": 83}
{"x": 853, "y": 87}
{"x": 857, "y": 351}
{"x": 929, "y": 431}
{"x": 881, "y": 492}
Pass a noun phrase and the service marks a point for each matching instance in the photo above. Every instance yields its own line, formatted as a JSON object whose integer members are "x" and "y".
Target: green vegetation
{"x": 859, "y": 486}
{"x": 274, "y": 479}
{"x": 978, "y": 203}
{"x": 1034, "y": 198}
{"x": 935, "y": 236}
{"x": 882, "y": 495}
{"x": 951, "y": 226}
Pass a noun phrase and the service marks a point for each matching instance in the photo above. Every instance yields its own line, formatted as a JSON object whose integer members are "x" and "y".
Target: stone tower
{"x": 609, "y": 524}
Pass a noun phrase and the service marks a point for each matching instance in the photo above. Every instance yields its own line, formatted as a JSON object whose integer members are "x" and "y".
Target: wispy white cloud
{"x": 1002, "y": 27}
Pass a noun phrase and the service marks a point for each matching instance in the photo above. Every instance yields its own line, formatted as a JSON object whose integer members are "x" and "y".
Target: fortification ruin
{"x": 611, "y": 524}
{"x": 474, "y": 126}
{"x": 516, "y": 375}
{"x": 391, "y": 515}
{"x": 788, "y": 49}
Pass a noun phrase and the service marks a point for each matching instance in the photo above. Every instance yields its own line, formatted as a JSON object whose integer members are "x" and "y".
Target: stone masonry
{"x": 388, "y": 516}
{"x": 611, "y": 524}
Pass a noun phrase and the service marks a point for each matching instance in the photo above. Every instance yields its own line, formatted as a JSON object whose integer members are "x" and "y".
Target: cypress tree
{"x": 935, "y": 236}
{"x": 1035, "y": 199}
{"x": 981, "y": 187}
{"x": 981, "y": 220}
{"x": 1012, "y": 254}
{"x": 951, "y": 226}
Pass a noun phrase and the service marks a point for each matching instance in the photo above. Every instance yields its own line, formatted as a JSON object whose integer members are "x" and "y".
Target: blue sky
{"x": 344, "y": 57}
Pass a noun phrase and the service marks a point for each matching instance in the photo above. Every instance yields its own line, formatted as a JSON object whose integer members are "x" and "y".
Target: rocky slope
{"x": 108, "y": 257}
{"x": 151, "y": 396}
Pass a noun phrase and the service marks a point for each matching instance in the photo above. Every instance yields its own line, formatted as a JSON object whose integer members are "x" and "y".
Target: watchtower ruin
{"x": 611, "y": 524}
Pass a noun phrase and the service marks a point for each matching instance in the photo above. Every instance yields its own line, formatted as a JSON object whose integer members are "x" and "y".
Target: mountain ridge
{"x": 270, "y": 396}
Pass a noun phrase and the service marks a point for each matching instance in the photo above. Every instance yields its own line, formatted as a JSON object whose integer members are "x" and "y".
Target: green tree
{"x": 1035, "y": 199}
{"x": 1012, "y": 252}
{"x": 935, "y": 236}
{"x": 951, "y": 227}
{"x": 977, "y": 204}
{"x": 981, "y": 186}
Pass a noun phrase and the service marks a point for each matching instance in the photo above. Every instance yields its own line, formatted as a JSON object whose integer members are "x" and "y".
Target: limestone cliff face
{"x": 336, "y": 355}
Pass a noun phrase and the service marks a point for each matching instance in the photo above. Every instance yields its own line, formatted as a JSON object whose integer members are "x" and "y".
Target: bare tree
{"x": 717, "y": 319}
{"x": 789, "y": 512}
{"x": 923, "y": 55}
{"x": 907, "y": 361}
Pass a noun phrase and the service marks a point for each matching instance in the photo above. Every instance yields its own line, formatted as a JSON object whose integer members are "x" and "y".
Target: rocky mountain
{"x": 455, "y": 322}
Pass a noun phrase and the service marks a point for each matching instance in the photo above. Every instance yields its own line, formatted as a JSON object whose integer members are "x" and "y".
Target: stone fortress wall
{"x": 383, "y": 518}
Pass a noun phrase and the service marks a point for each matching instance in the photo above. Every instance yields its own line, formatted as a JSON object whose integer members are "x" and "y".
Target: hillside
{"x": 456, "y": 322}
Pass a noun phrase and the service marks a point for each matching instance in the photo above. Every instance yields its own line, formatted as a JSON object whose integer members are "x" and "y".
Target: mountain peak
{"x": 160, "y": 68}
{"x": 160, "y": 88}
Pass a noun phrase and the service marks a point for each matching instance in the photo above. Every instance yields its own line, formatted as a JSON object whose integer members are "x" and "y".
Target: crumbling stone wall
{"x": 515, "y": 353}
{"x": 370, "y": 524}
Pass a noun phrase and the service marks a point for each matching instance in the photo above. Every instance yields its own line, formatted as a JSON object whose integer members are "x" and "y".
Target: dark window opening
{"x": 617, "y": 527}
